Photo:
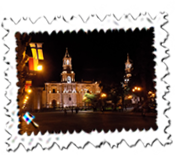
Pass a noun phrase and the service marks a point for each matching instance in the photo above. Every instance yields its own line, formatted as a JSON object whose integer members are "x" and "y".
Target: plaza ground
{"x": 58, "y": 121}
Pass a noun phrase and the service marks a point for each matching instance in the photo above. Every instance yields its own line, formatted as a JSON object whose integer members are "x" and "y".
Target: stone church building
{"x": 66, "y": 93}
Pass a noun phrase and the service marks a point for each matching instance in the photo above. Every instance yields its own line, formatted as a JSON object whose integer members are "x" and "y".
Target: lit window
{"x": 53, "y": 91}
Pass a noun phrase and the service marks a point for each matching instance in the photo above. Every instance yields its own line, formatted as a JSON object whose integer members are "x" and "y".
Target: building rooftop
{"x": 67, "y": 54}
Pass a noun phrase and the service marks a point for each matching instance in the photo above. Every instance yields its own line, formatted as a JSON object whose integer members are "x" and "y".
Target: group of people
{"x": 76, "y": 110}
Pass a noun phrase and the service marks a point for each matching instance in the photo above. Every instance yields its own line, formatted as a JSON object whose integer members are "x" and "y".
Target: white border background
{"x": 95, "y": 138}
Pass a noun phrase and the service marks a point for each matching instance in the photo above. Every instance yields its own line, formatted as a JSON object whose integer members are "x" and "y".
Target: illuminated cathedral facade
{"x": 68, "y": 92}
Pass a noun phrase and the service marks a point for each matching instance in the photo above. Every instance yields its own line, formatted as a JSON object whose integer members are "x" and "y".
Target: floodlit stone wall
{"x": 65, "y": 94}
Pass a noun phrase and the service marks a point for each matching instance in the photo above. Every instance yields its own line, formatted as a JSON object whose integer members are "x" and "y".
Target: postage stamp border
{"x": 75, "y": 23}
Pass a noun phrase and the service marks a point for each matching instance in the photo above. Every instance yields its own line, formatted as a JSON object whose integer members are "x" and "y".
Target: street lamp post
{"x": 136, "y": 90}
{"x": 103, "y": 96}
{"x": 152, "y": 96}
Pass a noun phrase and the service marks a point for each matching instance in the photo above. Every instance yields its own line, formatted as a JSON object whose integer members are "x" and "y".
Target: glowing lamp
{"x": 39, "y": 67}
{"x": 130, "y": 96}
{"x": 133, "y": 90}
{"x": 149, "y": 92}
{"x": 153, "y": 95}
{"x": 103, "y": 95}
{"x": 29, "y": 91}
{"x": 27, "y": 97}
{"x": 84, "y": 98}
{"x": 138, "y": 88}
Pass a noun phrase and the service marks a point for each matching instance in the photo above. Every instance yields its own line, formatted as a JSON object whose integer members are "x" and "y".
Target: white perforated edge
{"x": 80, "y": 139}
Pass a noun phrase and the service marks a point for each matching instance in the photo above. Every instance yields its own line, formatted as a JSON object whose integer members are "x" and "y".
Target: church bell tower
{"x": 128, "y": 68}
{"x": 68, "y": 76}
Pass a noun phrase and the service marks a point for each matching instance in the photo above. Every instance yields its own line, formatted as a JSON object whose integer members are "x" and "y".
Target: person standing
{"x": 145, "y": 107}
{"x": 65, "y": 111}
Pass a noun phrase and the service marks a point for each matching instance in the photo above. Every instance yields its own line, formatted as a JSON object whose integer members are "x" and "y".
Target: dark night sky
{"x": 97, "y": 55}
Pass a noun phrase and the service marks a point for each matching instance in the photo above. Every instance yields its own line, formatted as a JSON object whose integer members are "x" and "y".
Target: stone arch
{"x": 70, "y": 98}
{"x": 54, "y": 103}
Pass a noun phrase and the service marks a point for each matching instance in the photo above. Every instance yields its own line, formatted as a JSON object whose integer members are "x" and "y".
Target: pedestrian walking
{"x": 65, "y": 111}
{"x": 144, "y": 108}
{"x": 76, "y": 109}
{"x": 102, "y": 109}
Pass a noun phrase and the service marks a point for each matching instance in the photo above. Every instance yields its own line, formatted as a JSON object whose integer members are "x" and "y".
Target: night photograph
{"x": 86, "y": 81}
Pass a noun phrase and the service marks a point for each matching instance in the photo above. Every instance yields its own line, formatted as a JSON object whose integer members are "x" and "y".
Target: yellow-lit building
{"x": 66, "y": 93}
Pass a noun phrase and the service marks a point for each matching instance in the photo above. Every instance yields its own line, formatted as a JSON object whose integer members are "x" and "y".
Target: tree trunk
{"x": 123, "y": 100}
